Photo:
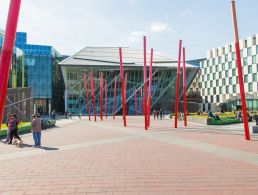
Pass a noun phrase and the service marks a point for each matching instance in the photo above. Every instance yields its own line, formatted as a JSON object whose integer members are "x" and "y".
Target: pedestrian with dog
{"x": 8, "y": 136}
{"x": 15, "y": 131}
{"x": 36, "y": 130}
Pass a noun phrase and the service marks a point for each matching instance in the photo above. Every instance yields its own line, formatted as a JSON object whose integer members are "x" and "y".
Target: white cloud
{"x": 136, "y": 36}
{"x": 159, "y": 27}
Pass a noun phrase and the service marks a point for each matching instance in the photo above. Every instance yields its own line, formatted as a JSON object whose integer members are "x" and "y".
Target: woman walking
{"x": 36, "y": 130}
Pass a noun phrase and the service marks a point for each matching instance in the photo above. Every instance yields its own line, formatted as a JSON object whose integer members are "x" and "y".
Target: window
{"x": 256, "y": 49}
{"x": 234, "y": 88}
{"x": 241, "y": 53}
{"x": 217, "y": 82}
{"x": 208, "y": 62}
{"x": 213, "y": 61}
{"x": 254, "y": 40}
{"x": 220, "y": 61}
{"x": 226, "y": 73}
{"x": 246, "y": 78}
{"x": 249, "y": 69}
{"x": 220, "y": 90}
{"x": 214, "y": 90}
{"x": 249, "y": 51}
{"x": 234, "y": 72}
{"x": 208, "y": 91}
{"x": 223, "y": 81}
{"x": 245, "y": 44}
{"x": 230, "y": 65}
{"x": 255, "y": 77}
{"x": 226, "y": 58}
{"x": 202, "y": 77}
{"x": 211, "y": 69}
{"x": 250, "y": 87}
{"x": 212, "y": 99}
{"x": 217, "y": 68}
{"x": 205, "y": 84}
{"x": 234, "y": 55}
{"x": 230, "y": 48}
{"x": 245, "y": 61}
{"x": 223, "y": 66}
{"x": 214, "y": 76}
{"x": 220, "y": 75}
{"x": 211, "y": 83}
{"x": 217, "y": 98}
{"x": 230, "y": 80}
{"x": 227, "y": 89}
{"x": 205, "y": 70}
{"x": 254, "y": 60}
{"x": 208, "y": 77}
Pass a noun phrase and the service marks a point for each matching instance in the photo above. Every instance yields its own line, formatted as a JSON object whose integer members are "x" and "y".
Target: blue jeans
{"x": 37, "y": 138}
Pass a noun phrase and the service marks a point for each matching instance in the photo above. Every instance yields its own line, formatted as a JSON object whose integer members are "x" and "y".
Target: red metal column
{"x": 177, "y": 83}
{"x": 7, "y": 51}
{"x": 145, "y": 84}
{"x": 150, "y": 88}
{"x": 240, "y": 74}
{"x": 106, "y": 98}
{"x": 135, "y": 102}
{"x": 114, "y": 103}
{"x": 184, "y": 86}
{"x": 122, "y": 85}
{"x": 86, "y": 94}
{"x": 101, "y": 96}
{"x": 93, "y": 95}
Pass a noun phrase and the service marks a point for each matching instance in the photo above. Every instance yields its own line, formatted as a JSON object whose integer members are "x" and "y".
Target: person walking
{"x": 161, "y": 113}
{"x": 154, "y": 113}
{"x": 11, "y": 126}
{"x": 36, "y": 130}
{"x": 8, "y": 136}
{"x": 157, "y": 113}
{"x": 15, "y": 131}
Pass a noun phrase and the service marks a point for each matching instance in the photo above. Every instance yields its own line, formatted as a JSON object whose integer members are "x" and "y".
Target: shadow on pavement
{"x": 42, "y": 147}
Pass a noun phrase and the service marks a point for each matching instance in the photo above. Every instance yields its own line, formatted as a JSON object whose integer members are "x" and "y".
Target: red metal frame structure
{"x": 178, "y": 83}
{"x": 86, "y": 94}
{"x": 122, "y": 85}
{"x": 135, "y": 102}
{"x": 150, "y": 88}
{"x": 145, "y": 84}
{"x": 7, "y": 51}
{"x": 93, "y": 95}
{"x": 240, "y": 74}
{"x": 101, "y": 96}
{"x": 106, "y": 99}
{"x": 114, "y": 104}
{"x": 184, "y": 89}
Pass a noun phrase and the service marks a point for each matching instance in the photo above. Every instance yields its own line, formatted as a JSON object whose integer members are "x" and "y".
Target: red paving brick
{"x": 139, "y": 165}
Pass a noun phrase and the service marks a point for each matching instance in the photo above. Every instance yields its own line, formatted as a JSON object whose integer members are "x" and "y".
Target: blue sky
{"x": 70, "y": 25}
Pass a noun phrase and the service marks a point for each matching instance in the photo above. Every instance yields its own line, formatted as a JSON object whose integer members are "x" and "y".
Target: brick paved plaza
{"x": 82, "y": 157}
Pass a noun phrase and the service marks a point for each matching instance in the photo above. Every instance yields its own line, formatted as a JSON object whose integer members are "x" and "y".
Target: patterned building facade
{"x": 219, "y": 76}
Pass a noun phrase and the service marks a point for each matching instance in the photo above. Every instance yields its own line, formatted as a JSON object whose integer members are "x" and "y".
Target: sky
{"x": 70, "y": 25}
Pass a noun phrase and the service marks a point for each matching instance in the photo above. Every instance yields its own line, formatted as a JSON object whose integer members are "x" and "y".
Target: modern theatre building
{"x": 106, "y": 60}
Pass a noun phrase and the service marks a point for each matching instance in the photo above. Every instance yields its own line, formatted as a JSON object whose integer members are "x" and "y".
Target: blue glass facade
{"x": 38, "y": 66}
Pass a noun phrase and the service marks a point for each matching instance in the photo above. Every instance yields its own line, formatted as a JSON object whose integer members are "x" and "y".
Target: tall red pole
{"x": 135, "y": 102}
{"x": 106, "y": 98}
{"x": 87, "y": 94}
{"x": 177, "y": 83}
{"x": 145, "y": 85}
{"x": 114, "y": 103}
{"x": 93, "y": 95}
{"x": 101, "y": 97}
{"x": 7, "y": 51}
{"x": 150, "y": 88}
{"x": 240, "y": 74}
{"x": 184, "y": 86}
{"x": 122, "y": 85}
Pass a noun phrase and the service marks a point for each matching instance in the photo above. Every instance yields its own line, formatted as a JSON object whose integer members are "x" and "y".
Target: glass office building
{"x": 106, "y": 60}
{"x": 39, "y": 61}
{"x": 16, "y": 77}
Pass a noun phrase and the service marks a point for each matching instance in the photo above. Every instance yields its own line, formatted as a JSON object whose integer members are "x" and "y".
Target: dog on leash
{"x": 18, "y": 143}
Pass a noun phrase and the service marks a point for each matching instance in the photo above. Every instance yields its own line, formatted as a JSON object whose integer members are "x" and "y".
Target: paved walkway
{"x": 82, "y": 157}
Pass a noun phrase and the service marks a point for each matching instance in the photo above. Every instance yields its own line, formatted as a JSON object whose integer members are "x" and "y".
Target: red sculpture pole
{"x": 7, "y": 51}
{"x": 184, "y": 86}
{"x": 86, "y": 94}
{"x": 114, "y": 103}
{"x": 135, "y": 102}
{"x": 93, "y": 95}
{"x": 240, "y": 74}
{"x": 145, "y": 85}
{"x": 106, "y": 99}
{"x": 150, "y": 88}
{"x": 122, "y": 85}
{"x": 101, "y": 96}
{"x": 177, "y": 83}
